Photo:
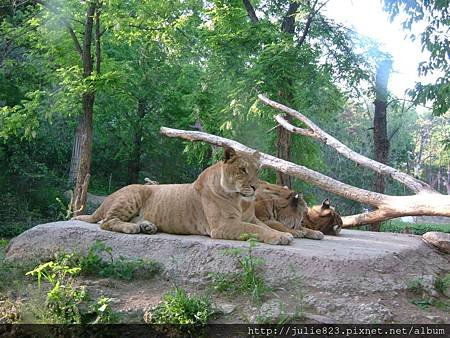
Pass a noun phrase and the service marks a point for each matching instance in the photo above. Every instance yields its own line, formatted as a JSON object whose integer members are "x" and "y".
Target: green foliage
{"x": 414, "y": 228}
{"x": 248, "y": 279}
{"x": 177, "y": 307}
{"x": 443, "y": 283}
{"x": 12, "y": 272}
{"x": 94, "y": 264}
{"x": 67, "y": 303}
{"x": 425, "y": 302}
{"x": 433, "y": 19}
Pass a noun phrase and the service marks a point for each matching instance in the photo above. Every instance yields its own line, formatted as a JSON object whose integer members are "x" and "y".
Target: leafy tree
{"x": 434, "y": 16}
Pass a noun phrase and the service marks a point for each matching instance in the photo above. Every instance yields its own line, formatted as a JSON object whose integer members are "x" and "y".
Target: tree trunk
{"x": 284, "y": 146}
{"x": 284, "y": 137}
{"x": 380, "y": 136}
{"x": 84, "y": 132}
{"x": 134, "y": 164}
{"x": 76, "y": 152}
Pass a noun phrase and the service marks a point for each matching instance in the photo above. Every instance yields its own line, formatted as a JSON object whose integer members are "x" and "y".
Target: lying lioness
{"x": 324, "y": 218}
{"x": 212, "y": 205}
{"x": 283, "y": 209}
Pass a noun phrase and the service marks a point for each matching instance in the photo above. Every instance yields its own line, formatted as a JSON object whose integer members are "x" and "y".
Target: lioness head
{"x": 286, "y": 205}
{"x": 323, "y": 218}
{"x": 240, "y": 173}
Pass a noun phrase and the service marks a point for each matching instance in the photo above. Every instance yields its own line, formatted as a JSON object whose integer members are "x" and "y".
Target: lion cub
{"x": 209, "y": 206}
{"x": 283, "y": 209}
{"x": 324, "y": 218}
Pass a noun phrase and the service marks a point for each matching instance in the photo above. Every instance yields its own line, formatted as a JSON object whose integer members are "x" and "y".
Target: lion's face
{"x": 324, "y": 218}
{"x": 289, "y": 206}
{"x": 240, "y": 173}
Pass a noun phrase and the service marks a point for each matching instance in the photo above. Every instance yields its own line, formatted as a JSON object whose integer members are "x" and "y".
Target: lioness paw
{"x": 298, "y": 233}
{"x": 148, "y": 227}
{"x": 315, "y": 235}
{"x": 281, "y": 238}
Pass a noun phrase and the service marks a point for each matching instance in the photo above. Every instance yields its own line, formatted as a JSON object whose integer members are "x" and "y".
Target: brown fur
{"x": 282, "y": 209}
{"x": 212, "y": 205}
{"x": 324, "y": 218}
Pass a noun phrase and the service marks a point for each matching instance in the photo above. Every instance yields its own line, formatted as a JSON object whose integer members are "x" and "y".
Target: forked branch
{"x": 318, "y": 134}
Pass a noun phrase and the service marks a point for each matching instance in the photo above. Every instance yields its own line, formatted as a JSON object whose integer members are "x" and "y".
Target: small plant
{"x": 177, "y": 307}
{"x": 426, "y": 301}
{"x": 248, "y": 279}
{"x": 93, "y": 264}
{"x": 415, "y": 285}
{"x": 66, "y": 303}
{"x": 443, "y": 283}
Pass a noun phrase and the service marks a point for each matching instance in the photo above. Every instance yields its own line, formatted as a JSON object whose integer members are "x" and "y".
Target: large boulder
{"x": 440, "y": 240}
{"x": 356, "y": 261}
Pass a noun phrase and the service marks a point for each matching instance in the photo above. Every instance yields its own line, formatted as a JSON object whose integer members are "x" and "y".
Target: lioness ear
{"x": 326, "y": 204}
{"x": 229, "y": 154}
{"x": 256, "y": 155}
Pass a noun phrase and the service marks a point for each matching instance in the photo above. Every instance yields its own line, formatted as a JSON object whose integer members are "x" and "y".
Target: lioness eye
{"x": 244, "y": 170}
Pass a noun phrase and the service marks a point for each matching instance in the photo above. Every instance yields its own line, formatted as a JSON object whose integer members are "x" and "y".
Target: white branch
{"x": 315, "y": 132}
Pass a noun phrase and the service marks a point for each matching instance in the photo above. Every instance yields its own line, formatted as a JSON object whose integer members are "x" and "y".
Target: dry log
{"x": 388, "y": 207}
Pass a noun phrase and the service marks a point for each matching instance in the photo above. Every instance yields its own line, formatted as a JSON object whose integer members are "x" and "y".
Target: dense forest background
{"x": 199, "y": 65}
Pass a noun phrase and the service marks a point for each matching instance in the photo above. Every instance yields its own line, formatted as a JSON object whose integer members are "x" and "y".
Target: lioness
{"x": 282, "y": 209}
{"x": 324, "y": 218}
{"x": 209, "y": 206}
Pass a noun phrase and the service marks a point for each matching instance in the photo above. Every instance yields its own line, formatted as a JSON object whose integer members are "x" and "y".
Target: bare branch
{"x": 388, "y": 207}
{"x": 303, "y": 173}
{"x": 286, "y": 125}
{"x": 411, "y": 183}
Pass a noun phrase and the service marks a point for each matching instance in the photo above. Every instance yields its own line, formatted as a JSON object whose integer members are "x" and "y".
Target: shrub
{"x": 248, "y": 279}
{"x": 93, "y": 264}
{"x": 177, "y": 307}
{"x": 66, "y": 303}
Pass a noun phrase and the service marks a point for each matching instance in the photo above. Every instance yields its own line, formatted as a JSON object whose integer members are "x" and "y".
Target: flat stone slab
{"x": 355, "y": 260}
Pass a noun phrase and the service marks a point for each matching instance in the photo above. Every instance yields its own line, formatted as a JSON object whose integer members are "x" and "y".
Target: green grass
{"x": 12, "y": 273}
{"x": 417, "y": 229}
{"x": 177, "y": 307}
{"x": 248, "y": 279}
{"x": 425, "y": 302}
{"x": 94, "y": 264}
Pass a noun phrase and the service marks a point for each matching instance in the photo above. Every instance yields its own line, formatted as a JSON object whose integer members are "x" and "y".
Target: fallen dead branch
{"x": 428, "y": 203}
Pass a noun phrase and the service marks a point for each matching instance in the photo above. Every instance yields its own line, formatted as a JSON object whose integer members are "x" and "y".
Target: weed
{"x": 12, "y": 272}
{"x": 93, "y": 264}
{"x": 66, "y": 303}
{"x": 248, "y": 279}
{"x": 415, "y": 285}
{"x": 177, "y": 307}
{"x": 442, "y": 283}
{"x": 423, "y": 303}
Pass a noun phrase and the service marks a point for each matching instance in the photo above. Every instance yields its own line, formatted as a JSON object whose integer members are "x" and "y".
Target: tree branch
{"x": 411, "y": 183}
{"x": 387, "y": 206}
{"x": 303, "y": 173}
{"x": 288, "y": 24}
{"x": 250, "y": 11}
{"x": 69, "y": 28}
